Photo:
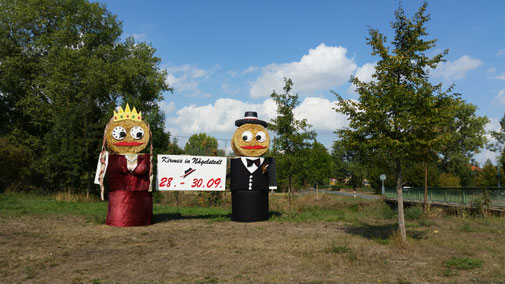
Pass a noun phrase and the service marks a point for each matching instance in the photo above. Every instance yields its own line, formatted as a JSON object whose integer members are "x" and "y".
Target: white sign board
{"x": 197, "y": 173}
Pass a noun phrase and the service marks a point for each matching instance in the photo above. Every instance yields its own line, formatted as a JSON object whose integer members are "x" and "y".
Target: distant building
{"x": 475, "y": 168}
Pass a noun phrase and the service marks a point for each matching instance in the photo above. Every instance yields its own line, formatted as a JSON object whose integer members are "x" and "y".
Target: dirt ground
{"x": 74, "y": 250}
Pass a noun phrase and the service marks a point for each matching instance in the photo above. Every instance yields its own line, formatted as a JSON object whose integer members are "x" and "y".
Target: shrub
{"x": 482, "y": 204}
{"x": 333, "y": 248}
{"x": 210, "y": 198}
{"x": 449, "y": 180}
{"x": 463, "y": 263}
{"x": 413, "y": 212}
{"x": 336, "y": 249}
{"x": 16, "y": 163}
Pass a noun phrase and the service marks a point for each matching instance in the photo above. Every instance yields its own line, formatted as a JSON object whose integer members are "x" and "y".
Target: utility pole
{"x": 498, "y": 164}
{"x": 498, "y": 173}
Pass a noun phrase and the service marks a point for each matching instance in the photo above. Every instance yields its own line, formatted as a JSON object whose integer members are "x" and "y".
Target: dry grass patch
{"x": 359, "y": 244}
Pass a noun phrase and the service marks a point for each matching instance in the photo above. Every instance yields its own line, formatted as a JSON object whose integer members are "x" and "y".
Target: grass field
{"x": 330, "y": 239}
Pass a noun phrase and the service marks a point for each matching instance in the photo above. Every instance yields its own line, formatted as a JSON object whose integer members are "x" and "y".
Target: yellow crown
{"x": 127, "y": 114}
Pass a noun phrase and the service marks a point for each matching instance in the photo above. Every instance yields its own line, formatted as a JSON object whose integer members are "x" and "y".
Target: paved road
{"x": 344, "y": 193}
{"x": 365, "y": 196}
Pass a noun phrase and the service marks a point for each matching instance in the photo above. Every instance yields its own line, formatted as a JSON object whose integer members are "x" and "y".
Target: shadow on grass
{"x": 373, "y": 232}
{"x": 219, "y": 217}
{"x": 166, "y": 217}
{"x": 274, "y": 214}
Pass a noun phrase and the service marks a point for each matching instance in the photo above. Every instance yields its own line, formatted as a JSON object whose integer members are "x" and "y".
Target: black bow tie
{"x": 250, "y": 162}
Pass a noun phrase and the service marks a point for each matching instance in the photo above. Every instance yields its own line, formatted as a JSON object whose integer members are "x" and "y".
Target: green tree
{"x": 173, "y": 148}
{"x": 292, "y": 136}
{"x": 319, "y": 165}
{"x": 338, "y": 154}
{"x": 351, "y": 167}
{"x": 201, "y": 144}
{"x": 498, "y": 146}
{"x": 16, "y": 161}
{"x": 467, "y": 138}
{"x": 414, "y": 174}
{"x": 63, "y": 69}
{"x": 400, "y": 114}
{"x": 488, "y": 175}
{"x": 449, "y": 180}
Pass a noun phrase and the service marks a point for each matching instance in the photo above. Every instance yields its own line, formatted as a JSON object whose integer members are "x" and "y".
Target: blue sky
{"x": 226, "y": 57}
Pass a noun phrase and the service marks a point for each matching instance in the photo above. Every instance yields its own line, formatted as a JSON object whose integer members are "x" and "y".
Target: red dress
{"x": 130, "y": 202}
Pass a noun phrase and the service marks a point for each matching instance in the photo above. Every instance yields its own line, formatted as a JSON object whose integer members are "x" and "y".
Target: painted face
{"x": 250, "y": 140}
{"x": 127, "y": 136}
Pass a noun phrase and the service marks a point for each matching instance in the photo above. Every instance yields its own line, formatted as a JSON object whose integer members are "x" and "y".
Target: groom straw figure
{"x": 251, "y": 174}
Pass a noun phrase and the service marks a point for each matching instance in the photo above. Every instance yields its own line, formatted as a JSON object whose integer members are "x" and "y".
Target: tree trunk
{"x": 289, "y": 193}
{"x": 89, "y": 185}
{"x": 425, "y": 187}
{"x": 399, "y": 192}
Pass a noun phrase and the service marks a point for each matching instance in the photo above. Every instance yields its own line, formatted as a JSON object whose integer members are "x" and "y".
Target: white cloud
{"x": 139, "y": 37}
{"x": 499, "y": 99}
{"x": 485, "y": 155}
{"x": 364, "y": 74}
{"x": 235, "y": 74}
{"x": 501, "y": 52}
{"x": 320, "y": 114}
{"x": 493, "y": 125}
{"x": 229, "y": 89}
{"x": 451, "y": 71}
{"x": 186, "y": 78}
{"x": 324, "y": 67}
{"x": 167, "y": 107}
{"x": 250, "y": 69}
{"x": 218, "y": 119}
{"x": 188, "y": 70}
{"x": 500, "y": 77}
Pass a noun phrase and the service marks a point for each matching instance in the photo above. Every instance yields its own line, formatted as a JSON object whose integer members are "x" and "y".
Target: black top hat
{"x": 250, "y": 117}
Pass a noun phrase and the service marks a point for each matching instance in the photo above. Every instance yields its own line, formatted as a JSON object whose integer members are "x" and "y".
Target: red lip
{"x": 128, "y": 144}
{"x": 253, "y": 147}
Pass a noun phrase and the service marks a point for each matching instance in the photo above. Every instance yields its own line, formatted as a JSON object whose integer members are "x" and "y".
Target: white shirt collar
{"x": 253, "y": 167}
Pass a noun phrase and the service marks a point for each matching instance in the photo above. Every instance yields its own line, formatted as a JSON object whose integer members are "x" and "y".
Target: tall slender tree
{"x": 400, "y": 113}
{"x": 292, "y": 136}
{"x": 320, "y": 165}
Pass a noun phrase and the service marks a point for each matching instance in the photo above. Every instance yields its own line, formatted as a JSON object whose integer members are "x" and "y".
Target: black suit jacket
{"x": 263, "y": 177}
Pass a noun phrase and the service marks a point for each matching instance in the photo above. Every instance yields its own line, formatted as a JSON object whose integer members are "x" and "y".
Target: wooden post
{"x": 317, "y": 191}
{"x": 425, "y": 186}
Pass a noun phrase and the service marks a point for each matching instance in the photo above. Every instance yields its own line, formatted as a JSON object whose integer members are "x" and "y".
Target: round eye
{"x": 247, "y": 136}
{"x": 118, "y": 133}
{"x": 261, "y": 136}
{"x": 137, "y": 132}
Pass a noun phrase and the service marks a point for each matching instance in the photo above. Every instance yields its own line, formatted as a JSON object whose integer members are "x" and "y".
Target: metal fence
{"x": 465, "y": 196}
